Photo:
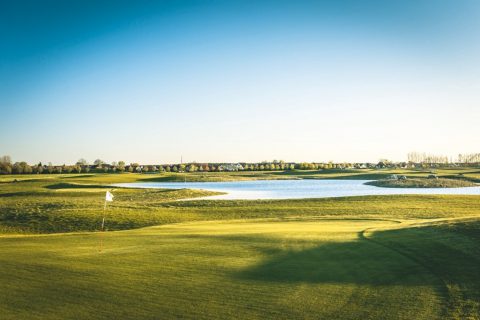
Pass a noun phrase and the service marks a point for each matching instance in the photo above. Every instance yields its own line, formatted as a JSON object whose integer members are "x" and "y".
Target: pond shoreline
{"x": 296, "y": 189}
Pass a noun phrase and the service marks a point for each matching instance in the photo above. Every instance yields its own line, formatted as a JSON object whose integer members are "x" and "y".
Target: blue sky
{"x": 149, "y": 81}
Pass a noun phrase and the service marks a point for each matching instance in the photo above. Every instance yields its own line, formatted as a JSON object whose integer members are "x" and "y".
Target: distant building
{"x": 230, "y": 167}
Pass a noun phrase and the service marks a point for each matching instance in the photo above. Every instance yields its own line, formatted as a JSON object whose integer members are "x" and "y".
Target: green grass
{"x": 375, "y": 257}
{"x": 422, "y": 183}
{"x": 63, "y": 204}
{"x": 346, "y": 269}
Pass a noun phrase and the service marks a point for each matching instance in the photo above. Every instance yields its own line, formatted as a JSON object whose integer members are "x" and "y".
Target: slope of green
{"x": 326, "y": 269}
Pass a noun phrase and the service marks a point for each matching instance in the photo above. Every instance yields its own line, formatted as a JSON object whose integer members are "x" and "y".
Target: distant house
{"x": 230, "y": 167}
{"x": 381, "y": 165}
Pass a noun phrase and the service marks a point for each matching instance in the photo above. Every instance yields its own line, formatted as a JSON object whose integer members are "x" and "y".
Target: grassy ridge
{"x": 72, "y": 203}
{"x": 53, "y": 209}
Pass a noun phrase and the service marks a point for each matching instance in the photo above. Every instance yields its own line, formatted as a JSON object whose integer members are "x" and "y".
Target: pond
{"x": 295, "y": 189}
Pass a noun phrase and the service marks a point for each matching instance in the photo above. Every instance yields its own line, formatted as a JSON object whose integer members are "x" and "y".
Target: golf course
{"x": 240, "y": 160}
{"x": 161, "y": 257}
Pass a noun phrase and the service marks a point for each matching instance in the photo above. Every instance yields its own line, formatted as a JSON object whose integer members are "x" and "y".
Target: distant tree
{"x": 81, "y": 162}
{"x": 5, "y": 160}
{"x": 175, "y": 169}
{"x": 98, "y": 162}
{"x": 6, "y": 166}
{"x": 21, "y": 167}
{"x": 27, "y": 169}
{"x": 121, "y": 166}
{"x": 130, "y": 169}
{"x": 135, "y": 166}
{"x": 167, "y": 168}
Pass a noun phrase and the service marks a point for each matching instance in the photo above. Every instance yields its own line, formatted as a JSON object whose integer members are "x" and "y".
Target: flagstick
{"x": 108, "y": 197}
{"x": 103, "y": 225}
{"x": 103, "y": 220}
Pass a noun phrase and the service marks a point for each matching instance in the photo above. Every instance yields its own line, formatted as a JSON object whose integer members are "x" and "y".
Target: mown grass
{"x": 63, "y": 204}
{"x": 324, "y": 269}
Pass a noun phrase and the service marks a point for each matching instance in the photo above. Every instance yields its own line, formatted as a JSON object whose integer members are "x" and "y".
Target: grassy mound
{"x": 422, "y": 183}
{"x": 69, "y": 203}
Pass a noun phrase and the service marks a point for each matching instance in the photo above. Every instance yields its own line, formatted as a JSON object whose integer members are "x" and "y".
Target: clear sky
{"x": 149, "y": 81}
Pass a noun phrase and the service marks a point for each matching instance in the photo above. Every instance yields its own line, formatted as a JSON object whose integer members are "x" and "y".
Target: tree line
{"x": 422, "y": 157}
{"x": 415, "y": 160}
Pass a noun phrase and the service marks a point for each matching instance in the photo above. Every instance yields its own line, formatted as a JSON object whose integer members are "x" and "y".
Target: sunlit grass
{"x": 248, "y": 270}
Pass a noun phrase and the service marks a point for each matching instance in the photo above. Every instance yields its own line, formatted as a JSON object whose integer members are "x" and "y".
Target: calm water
{"x": 295, "y": 189}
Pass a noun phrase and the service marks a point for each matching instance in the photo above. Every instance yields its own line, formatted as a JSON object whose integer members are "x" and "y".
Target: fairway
{"x": 305, "y": 269}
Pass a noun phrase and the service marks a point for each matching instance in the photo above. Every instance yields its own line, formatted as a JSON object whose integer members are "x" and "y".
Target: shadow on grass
{"x": 77, "y": 176}
{"x": 404, "y": 256}
{"x": 359, "y": 262}
{"x": 445, "y": 257}
{"x": 65, "y": 185}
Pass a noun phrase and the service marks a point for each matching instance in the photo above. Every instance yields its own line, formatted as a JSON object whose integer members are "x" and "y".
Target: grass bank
{"x": 74, "y": 204}
{"x": 422, "y": 183}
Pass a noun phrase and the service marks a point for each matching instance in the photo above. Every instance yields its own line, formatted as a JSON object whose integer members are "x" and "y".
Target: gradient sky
{"x": 149, "y": 81}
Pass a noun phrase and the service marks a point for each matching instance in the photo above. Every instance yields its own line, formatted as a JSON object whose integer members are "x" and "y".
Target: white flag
{"x": 108, "y": 196}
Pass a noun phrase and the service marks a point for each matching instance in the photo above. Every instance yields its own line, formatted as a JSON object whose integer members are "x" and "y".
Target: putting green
{"x": 327, "y": 269}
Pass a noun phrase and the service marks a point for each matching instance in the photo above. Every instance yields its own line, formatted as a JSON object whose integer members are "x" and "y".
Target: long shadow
{"x": 66, "y": 185}
{"x": 359, "y": 262}
{"x": 445, "y": 257}
{"x": 395, "y": 253}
